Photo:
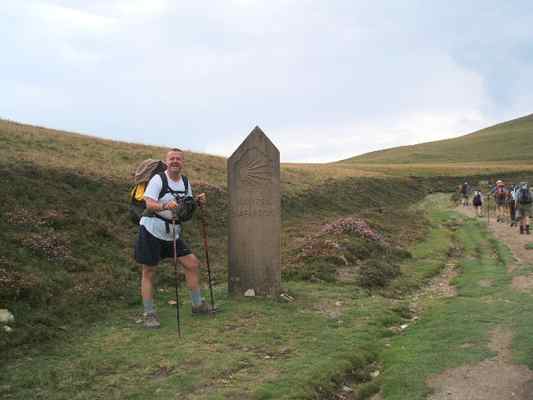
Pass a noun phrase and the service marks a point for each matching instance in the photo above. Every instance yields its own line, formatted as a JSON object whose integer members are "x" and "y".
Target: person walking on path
{"x": 155, "y": 239}
{"x": 477, "y": 202}
{"x": 524, "y": 201}
{"x": 500, "y": 195}
{"x": 465, "y": 191}
{"x": 511, "y": 200}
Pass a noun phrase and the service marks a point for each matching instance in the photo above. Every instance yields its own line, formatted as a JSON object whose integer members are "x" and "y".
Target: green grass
{"x": 506, "y": 142}
{"x": 437, "y": 341}
{"x": 256, "y": 349}
{"x": 67, "y": 241}
{"x": 67, "y": 273}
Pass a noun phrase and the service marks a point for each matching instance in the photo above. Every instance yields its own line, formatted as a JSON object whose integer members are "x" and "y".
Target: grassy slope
{"x": 253, "y": 350}
{"x": 505, "y": 142}
{"x": 67, "y": 257}
{"x": 67, "y": 240}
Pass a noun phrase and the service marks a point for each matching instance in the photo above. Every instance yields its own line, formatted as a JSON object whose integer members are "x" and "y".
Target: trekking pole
{"x": 176, "y": 273}
{"x": 206, "y": 248}
{"x": 488, "y": 210}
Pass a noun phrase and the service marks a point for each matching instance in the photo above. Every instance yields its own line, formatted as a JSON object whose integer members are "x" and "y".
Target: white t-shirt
{"x": 156, "y": 226}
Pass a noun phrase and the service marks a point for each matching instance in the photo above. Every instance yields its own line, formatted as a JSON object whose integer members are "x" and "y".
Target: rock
{"x": 172, "y": 302}
{"x": 338, "y": 303}
{"x": 8, "y": 329}
{"x": 286, "y": 297}
{"x": 403, "y": 327}
{"x": 374, "y": 374}
{"x": 6, "y": 316}
{"x": 249, "y": 293}
{"x": 347, "y": 389}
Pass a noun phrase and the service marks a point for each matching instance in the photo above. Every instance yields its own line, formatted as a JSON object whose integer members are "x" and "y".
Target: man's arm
{"x": 156, "y": 206}
{"x": 151, "y": 195}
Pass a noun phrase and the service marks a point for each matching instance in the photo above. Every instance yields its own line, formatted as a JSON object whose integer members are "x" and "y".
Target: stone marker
{"x": 255, "y": 217}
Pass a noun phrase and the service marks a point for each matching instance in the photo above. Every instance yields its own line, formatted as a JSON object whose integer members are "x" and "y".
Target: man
{"x": 155, "y": 240}
{"x": 477, "y": 202}
{"x": 524, "y": 203}
{"x": 511, "y": 199}
{"x": 465, "y": 191}
{"x": 500, "y": 195}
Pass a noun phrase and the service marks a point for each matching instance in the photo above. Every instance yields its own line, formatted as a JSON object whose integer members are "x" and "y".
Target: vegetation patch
{"x": 346, "y": 243}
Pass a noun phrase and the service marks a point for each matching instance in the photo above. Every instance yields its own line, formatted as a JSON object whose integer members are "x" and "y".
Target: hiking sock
{"x": 196, "y": 297}
{"x": 148, "y": 306}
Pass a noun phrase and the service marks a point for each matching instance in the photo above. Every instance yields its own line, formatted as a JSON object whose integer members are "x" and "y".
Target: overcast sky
{"x": 325, "y": 80}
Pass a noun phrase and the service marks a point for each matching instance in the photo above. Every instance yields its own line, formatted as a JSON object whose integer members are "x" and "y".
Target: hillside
{"x": 351, "y": 240}
{"x": 505, "y": 142}
{"x": 67, "y": 239}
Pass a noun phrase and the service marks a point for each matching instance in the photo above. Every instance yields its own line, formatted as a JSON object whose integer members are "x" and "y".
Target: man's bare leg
{"x": 147, "y": 292}
{"x": 191, "y": 267}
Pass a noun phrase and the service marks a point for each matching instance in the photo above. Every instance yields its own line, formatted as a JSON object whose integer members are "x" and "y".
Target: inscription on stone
{"x": 255, "y": 217}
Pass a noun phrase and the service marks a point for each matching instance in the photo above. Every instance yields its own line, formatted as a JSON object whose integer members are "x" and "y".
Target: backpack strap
{"x": 165, "y": 188}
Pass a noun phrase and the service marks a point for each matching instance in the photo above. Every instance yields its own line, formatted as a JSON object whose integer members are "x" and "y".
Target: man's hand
{"x": 171, "y": 205}
{"x": 201, "y": 199}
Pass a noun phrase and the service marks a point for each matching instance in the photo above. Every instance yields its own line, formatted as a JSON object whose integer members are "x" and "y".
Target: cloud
{"x": 326, "y": 80}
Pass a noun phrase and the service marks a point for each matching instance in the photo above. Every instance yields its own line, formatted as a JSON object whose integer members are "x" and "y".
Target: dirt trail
{"x": 516, "y": 242}
{"x": 497, "y": 378}
{"x": 493, "y": 379}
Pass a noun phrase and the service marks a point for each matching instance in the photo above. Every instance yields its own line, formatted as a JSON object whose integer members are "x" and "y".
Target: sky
{"x": 325, "y": 80}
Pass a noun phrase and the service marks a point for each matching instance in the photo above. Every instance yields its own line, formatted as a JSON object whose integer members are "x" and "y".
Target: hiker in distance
{"x": 500, "y": 196}
{"x": 465, "y": 191}
{"x": 477, "y": 202}
{"x": 524, "y": 202}
{"x": 511, "y": 202}
{"x": 155, "y": 239}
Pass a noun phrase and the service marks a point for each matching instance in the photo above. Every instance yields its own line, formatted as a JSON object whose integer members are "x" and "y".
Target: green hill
{"x": 508, "y": 141}
{"x": 68, "y": 276}
{"x": 67, "y": 239}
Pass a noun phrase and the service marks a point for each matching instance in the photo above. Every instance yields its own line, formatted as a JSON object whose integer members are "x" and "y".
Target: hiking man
{"x": 465, "y": 190}
{"x": 500, "y": 195}
{"x": 511, "y": 201}
{"x": 524, "y": 201}
{"x": 477, "y": 202}
{"x": 155, "y": 239}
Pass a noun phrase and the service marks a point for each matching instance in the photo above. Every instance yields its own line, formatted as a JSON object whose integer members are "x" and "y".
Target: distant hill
{"x": 508, "y": 141}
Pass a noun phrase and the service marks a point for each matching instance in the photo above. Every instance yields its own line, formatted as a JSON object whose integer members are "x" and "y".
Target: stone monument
{"x": 255, "y": 217}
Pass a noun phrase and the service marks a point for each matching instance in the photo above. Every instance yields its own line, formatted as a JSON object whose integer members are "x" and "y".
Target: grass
{"x": 253, "y": 349}
{"x": 454, "y": 332}
{"x": 506, "y": 142}
{"x": 66, "y": 272}
{"x": 67, "y": 241}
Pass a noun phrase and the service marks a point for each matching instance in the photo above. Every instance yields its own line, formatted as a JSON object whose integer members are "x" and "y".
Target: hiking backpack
{"x": 146, "y": 171}
{"x": 477, "y": 200}
{"x": 524, "y": 195}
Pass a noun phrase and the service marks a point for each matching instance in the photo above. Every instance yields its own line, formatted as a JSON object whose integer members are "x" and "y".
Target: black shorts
{"x": 150, "y": 250}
